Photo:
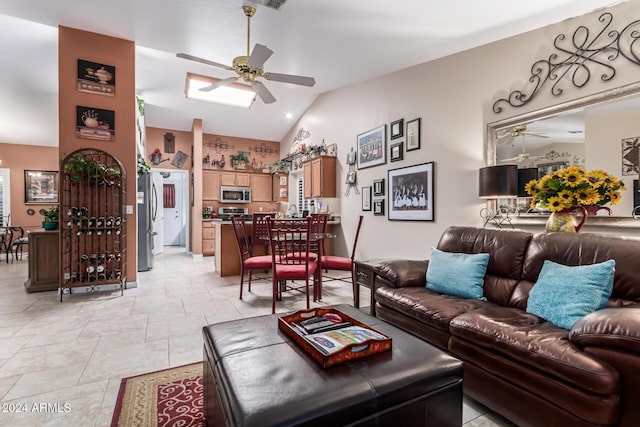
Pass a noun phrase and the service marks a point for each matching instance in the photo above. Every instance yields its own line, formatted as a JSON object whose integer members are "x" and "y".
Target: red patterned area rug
{"x": 171, "y": 397}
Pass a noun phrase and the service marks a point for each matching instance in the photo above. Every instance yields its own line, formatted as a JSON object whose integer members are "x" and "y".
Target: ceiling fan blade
{"x": 513, "y": 159}
{"x": 288, "y": 78}
{"x": 203, "y": 61}
{"x": 506, "y": 140}
{"x": 259, "y": 56}
{"x": 218, "y": 84}
{"x": 263, "y": 93}
{"x": 539, "y": 135}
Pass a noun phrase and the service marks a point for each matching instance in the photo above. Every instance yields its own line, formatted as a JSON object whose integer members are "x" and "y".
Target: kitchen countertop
{"x": 335, "y": 221}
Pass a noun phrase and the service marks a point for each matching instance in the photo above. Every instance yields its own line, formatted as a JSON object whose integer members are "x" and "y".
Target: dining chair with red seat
{"x": 247, "y": 262}
{"x": 260, "y": 232}
{"x": 290, "y": 248}
{"x": 332, "y": 262}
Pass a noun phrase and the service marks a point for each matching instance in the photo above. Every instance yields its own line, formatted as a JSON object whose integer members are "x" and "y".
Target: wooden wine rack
{"x": 93, "y": 227}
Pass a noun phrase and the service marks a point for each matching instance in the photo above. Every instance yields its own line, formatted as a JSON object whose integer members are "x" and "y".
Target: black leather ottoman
{"x": 254, "y": 375}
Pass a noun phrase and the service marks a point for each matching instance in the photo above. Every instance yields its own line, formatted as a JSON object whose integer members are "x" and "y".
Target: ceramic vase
{"x": 564, "y": 220}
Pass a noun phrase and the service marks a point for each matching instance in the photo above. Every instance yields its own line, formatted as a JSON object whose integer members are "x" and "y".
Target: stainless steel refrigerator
{"x": 145, "y": 221}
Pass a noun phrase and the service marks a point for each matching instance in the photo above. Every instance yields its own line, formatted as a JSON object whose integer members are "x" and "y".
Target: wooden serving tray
{"x": 290, "y": 325}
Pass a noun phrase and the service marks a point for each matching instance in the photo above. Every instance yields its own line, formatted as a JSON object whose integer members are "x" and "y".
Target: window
{"x": 5, "y": 196}
{"x": 303, "y": 204}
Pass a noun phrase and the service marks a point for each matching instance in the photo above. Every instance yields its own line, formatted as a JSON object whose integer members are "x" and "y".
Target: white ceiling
{"x": 338, "y": 42}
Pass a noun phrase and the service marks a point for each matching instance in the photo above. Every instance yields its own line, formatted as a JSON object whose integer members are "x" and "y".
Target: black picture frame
{"x": 395, "y": 152}
{"x": 396, "y": 129}
{"x": 411, "y": 196}
{"x": 95, "y": 123}
{"x": 40, "y": 187}
{"x": 378, "y": 207}
{"x": 372, "y": 147}
{"x": 378, "y": 187}
{"x": 96, "y": 78}
{"x": 413, "y": 134}
{"x": 366, "y": 198}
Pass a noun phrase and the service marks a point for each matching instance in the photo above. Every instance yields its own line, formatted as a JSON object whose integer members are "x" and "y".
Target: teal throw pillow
{"x": 457, "y": 274}
{"x": 563, "y": 295}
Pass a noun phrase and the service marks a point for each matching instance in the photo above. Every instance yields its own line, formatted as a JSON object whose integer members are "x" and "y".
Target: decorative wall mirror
{"x": 557, "y": 133}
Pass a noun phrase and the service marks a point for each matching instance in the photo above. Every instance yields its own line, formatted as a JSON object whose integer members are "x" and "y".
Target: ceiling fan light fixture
{"x": 234, "y": 94}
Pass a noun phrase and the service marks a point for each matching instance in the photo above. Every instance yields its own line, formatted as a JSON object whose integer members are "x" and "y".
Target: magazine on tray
{"x": 334, "y": 340}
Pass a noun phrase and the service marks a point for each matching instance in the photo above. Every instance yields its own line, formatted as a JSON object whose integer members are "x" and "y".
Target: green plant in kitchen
{"x": 143, "y": 165}
{"x": 239, "y": 160}
{"x": 50, "y": 218}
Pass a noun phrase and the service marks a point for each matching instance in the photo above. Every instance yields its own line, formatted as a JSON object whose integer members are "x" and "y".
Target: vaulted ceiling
{"x": 337, "y": 42}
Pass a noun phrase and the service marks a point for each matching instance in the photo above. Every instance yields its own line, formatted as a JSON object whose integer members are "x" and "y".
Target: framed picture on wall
{"x": 413, "y": 134}
{"x": 40, "y": 187}
{"x": 396, "y": 152}
{"x": 372, "y": 147}
{"x": 96, "y": 78}
{"x": 397, "y": 129}
{"x": 411, "y": 193}
{"x": 366, "y": 198}
{"x": 378, "y": 187}
{"x": 378, "y": 207}
{"x": 95, "y": 123}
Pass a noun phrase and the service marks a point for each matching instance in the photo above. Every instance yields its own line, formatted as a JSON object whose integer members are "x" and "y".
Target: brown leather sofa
{"x": 519, "y": 365}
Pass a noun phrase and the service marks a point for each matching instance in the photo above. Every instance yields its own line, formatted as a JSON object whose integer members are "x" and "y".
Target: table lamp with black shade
{"x": 497, "y": 182}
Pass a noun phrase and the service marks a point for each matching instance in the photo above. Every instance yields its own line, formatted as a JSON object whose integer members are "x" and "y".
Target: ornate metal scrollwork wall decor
{"x": 582, "y": 56}
{"x": 302, "y": 135}
{"x": 219, "y": 145}
{"x": 263, "y": 149}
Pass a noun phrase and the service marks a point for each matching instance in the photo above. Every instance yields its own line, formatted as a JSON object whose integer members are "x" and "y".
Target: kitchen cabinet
{"x": 319, "y": 175}
{"x": 208, "y": 238}
{"x": 261, "y": 188}
{"x": 44, "y": 264}
{"x": 235, "y": 179}
{"x": 210, "y": 185}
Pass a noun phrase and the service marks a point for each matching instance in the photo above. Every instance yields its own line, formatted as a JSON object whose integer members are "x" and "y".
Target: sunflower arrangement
{"x": 575, "y": 186}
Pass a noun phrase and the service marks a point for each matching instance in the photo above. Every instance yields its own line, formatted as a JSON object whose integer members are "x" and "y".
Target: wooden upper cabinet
{"x": 319, "y": 177}
{"x": 235, "y": 179}
{"x": 210, "y": 185}
{"x": 261, "y": 188}
{"x": 307, "y": 188}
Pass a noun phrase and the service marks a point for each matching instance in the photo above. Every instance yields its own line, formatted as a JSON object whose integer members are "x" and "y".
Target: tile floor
{"x": 61, "y": 363}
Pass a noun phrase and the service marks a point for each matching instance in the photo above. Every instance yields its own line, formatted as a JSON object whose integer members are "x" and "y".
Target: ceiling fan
{"x": 250, "y": 67}
{"x": 507, "y": 136}
{"x": 522, "y": 156}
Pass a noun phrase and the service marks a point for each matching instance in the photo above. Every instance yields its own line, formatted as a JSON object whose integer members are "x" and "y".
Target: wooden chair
{"x": 260, "y": 231}
{"x": 342, "y": 263}
{"x": 19, "y": 240}
{"x": 290, "y": 246}
{"x": 6, "y": 237}
{"x": 247, "y": 262}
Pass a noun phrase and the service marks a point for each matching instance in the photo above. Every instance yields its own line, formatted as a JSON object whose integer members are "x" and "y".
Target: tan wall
{"x": 19, "y": 158}
{"x": 155, "y": 139}
{"x": 255, "y": 147}
{"x": 75, "y": 44}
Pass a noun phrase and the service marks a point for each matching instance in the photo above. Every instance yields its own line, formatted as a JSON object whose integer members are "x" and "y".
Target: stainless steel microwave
{"x": 235, "y": 194}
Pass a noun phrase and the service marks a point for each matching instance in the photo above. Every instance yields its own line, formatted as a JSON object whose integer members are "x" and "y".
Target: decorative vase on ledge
{"x": 564, "y": 220}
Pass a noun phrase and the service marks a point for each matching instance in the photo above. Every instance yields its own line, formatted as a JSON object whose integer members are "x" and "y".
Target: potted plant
{"x": 239, "y": 161}
{"x": 50, "y": 218}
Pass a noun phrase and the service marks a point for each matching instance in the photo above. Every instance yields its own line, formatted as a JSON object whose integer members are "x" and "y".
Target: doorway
{"x": 171, "y": 220}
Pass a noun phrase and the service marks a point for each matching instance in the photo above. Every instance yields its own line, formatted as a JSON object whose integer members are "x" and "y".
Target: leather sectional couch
{"x": 523, "y": 367}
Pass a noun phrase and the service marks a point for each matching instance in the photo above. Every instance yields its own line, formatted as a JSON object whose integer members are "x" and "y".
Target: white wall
{"x": 454, "y": 97}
